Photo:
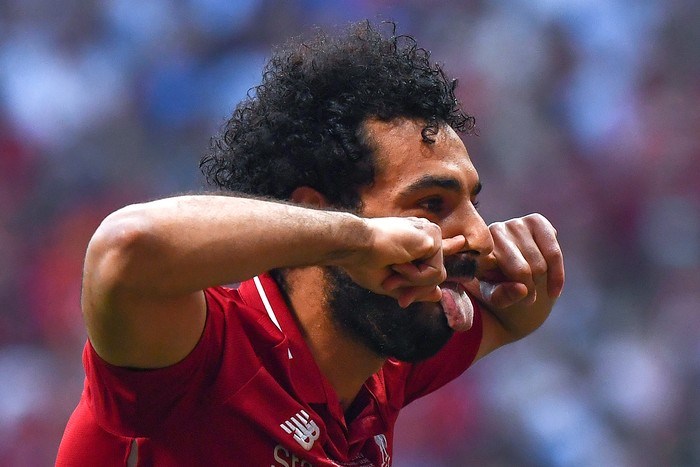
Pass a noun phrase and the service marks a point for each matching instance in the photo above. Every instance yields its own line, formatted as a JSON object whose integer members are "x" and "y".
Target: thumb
{"x": 502, "y": 294}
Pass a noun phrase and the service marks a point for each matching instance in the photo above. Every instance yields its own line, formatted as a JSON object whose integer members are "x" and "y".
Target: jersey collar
{"x": 263, "y": 293}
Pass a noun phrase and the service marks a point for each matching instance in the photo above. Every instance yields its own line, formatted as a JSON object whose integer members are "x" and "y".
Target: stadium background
{"x": 589, "y": 112}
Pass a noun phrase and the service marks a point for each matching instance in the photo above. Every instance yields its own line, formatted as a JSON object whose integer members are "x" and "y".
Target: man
{"x": 368, "y": 277}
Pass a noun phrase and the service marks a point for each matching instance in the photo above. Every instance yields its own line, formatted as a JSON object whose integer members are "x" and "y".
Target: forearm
{"x": 146, "y": 264}
{"x": 183, "y": 244}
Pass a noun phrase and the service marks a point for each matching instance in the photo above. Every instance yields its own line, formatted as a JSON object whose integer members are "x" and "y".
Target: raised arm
{"x": 147, "y": 264}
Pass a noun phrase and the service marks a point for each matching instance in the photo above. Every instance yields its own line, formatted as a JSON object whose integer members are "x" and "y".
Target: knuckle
{"x": 434, "y": 229}
{"x": 535, "y": 217}
{"x": 538, "y": 219}
{"x": 521, "y": 271}
{"x": 556, "y": 253}
{"x": 539, "y": 267}
{"x": 498, "y": 227}
{"x": 427, "y": 248}
{"x": 509, "y": 227}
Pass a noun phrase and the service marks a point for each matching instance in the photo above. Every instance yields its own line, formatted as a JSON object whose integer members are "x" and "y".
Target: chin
{"x": 409, "y": 334}
{"x": 424, "y": 336}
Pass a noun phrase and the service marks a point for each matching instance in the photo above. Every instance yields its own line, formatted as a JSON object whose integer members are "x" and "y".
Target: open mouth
{"x": 457, "y": 306}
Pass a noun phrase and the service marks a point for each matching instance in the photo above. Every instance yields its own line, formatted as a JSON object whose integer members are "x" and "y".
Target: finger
{"x": 400, "y": 277}
{"x": 536, "y": 265}
{"x": 453, "y": 245}
{"x": 410, "y": 295}
{"x": 406, "y": 270}
{"x": 426, "y": 271}
{"x": 417, "y": 273}
{"x": 550, "y": 250}
{"x": 433, "y": 261}
{"x": 428, "y": 268}
{"x": 513, "y": 266}
{"x": 503, "y": 294}
{"x": 414, "y": 271}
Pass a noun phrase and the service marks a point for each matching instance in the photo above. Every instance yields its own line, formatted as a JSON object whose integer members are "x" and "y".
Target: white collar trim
{"x": 268, "y": 307}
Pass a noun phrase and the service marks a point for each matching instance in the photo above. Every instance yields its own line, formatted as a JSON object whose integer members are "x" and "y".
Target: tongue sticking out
{"x": 457, "y": 306}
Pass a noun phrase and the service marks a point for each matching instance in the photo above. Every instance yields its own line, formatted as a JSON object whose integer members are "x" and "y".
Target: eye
{"x": 433, "y": 205}
{"x": 475, "y": 203}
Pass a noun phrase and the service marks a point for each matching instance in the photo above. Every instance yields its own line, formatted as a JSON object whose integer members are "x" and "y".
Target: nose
{"x": 479, "y": 242}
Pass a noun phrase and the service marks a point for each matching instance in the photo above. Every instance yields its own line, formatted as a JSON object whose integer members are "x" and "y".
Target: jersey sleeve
{"x": 450, "y": 362}
{"x": 135, "y": 403}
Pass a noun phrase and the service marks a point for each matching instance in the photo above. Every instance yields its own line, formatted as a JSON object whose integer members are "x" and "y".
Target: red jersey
{"x": 249, "y": 394}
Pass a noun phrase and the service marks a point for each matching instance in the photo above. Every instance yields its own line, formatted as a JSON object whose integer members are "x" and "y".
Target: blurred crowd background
{"x": 588, "y": 112}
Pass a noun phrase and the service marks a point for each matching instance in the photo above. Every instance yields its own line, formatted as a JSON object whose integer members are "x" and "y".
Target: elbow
{"x": 115, "y": 250}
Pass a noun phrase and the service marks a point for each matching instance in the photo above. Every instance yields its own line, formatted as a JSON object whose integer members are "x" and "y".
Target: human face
{"x": 436, "y": 181}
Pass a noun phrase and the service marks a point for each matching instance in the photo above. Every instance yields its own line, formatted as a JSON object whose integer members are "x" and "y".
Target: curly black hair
{"x": 303, "y": 126}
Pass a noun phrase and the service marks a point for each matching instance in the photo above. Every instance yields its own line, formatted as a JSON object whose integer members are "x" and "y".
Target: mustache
{"x": 461, "y": 265}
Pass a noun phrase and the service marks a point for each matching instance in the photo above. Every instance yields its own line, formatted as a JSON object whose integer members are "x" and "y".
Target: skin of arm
{"x": 147, "y": 264}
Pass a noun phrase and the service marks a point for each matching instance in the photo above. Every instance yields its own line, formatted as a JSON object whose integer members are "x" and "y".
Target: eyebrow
{"x": 431, "y": 181}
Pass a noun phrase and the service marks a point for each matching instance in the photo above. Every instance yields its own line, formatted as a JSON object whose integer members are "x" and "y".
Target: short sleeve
{"x": 132, "y": 402}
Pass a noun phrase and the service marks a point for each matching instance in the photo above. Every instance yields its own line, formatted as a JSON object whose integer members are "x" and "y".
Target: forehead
{"x": 403, "y": 156}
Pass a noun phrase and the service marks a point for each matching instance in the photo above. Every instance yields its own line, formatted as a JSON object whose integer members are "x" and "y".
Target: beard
{"x": 409, "y": 334}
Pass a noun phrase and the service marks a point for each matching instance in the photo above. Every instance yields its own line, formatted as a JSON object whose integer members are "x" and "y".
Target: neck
{"x": 344, "y": 362}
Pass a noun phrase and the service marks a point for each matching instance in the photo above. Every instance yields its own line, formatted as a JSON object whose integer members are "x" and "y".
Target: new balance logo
{"x": 304, "y": 429}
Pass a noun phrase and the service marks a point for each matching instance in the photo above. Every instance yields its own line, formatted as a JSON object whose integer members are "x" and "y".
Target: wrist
{"x": 352, "y": 237}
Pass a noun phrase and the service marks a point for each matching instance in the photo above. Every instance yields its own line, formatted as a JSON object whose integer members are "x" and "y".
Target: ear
{"x": 307, "y": 196}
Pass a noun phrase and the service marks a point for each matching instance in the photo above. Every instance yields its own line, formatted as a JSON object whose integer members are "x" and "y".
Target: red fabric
{"x": 225, "y": 403}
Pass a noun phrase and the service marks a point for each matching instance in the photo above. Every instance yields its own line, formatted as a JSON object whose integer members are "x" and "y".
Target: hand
{"x": 405, "y": 259}
{"x": 526, "y": 266}
{"x": 407, "y": 276}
